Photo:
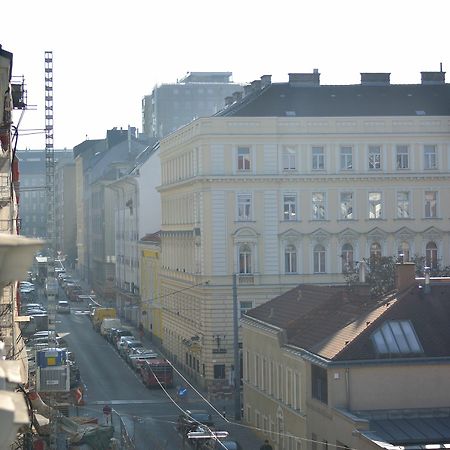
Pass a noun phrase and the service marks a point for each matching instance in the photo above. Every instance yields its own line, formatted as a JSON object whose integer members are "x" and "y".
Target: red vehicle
{"x": 154, "y": 370}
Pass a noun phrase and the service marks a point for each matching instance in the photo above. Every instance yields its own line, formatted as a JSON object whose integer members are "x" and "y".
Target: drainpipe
{"x": 347, "y": 388}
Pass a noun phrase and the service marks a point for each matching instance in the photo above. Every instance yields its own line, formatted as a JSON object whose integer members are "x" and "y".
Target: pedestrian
{"x": 266, "y": 446}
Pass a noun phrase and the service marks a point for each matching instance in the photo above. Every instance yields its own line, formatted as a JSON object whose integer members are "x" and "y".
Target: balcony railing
{"x": 246, "y": 278}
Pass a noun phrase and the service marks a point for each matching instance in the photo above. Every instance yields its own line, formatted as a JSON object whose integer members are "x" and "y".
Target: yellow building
{"x": 327, "y": 367}
{"x": 294, "y": 183}
{"x": 149, "y": 262}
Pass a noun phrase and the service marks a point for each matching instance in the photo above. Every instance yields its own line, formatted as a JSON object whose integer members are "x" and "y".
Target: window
{"x": 346, "y": 201}
{"x": 219, "y": 371}
{"x": 430, "y": 155}
{"x": 318, "y": 158}
{"x": 374, "y": 157}
{"x": 346, "y": 158}
{"x": 431, "y": 255}
{"x": 430, "y": 204}
{"x": 375, "y": 251}
{"x": 244, "y": 306}
{"x": 319, "y": 258}
{"x": 319, "y": 388}
{"x": 347, "y": 258}
{"x": 290, "y": 207}
{"x": 290, "y": 259}
{"x": 402, "y": 157}
{"x": 403, "y": 205}
{"x": 245, "y": 259}
{"x": 318, "y": 206}
{"x": 244, "y": 158}
{"x": 244, "y": 202}
{"x": 375, "y": 210}
{"x": 289, "y": 158}
{"x": 403, "y": 251}
{"x": 396, "y": 336}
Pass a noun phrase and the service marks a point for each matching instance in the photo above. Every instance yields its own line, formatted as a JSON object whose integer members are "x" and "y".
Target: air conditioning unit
{"x": 53, "y": 379}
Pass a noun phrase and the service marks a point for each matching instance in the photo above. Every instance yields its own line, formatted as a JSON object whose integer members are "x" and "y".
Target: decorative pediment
{"x": 404, "y": 234}
{"x": 376, "y": 234}
{"x": 245, "y": 234}
{"x": 290, "y": 236}
{"x": 432, "y": 234}
{"x": 320, "y": 235}
{"x": 347, "y": 235}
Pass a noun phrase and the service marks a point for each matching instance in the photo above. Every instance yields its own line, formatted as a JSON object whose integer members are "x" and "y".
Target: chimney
{"x": 229, "y": 101}
{"x": 405, "y": 275}
{"x": 375, "y": 79}
{"x": 305, "y": 79}
{"x": 237, "y": 96}
{"x": 266, "y": 80}
{"x": 256, "y": 85}
{"x": 247, "y": 89}
{"x": 433, "y": 77}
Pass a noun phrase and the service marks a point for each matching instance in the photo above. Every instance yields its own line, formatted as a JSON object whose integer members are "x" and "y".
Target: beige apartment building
{"x": 295, "y": 183}
{"x": 327, "y": 368}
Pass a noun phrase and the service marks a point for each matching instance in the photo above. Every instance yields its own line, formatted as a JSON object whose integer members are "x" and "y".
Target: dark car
{"x": 229, "y": 445}
{"x": 117, "y": 334}
{"x": 192, "y": 418}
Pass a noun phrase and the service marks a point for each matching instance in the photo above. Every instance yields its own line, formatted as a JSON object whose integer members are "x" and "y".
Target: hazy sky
{"x": 109, "y": 54}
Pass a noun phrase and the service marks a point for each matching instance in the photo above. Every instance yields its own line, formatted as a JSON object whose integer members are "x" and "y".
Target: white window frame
{"x": 289, "y": 158}
{"x": 248, "y": 263}
{"x": 347, "y": 265}
{"x": 242, "y": 158}
{"x": 244, "y": 200}
{"x": 318, "y": 157}
{"x": 346, "y": 157}
{"x": 430, "y": 157}
{"x": 372, "y": 214}
{"x": 316, "y": 213}
{"x": 432, "y": 255}
{"x": 402, "y": 157}
{"x": 341, "y": 203}
{"x": 374, "y": 158}
{"x": 290, "y": 262}
{"x": 290, "y": 213}
{"x": 428, "y": 205}
{"x": 400, "y": 205}
{"x": 244, "y": 308}
{"x": 319, "y": 256}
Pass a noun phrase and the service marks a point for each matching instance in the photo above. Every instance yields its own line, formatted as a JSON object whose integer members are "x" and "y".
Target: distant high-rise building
{"x": 33, "y": 200}
{"x": 198, "y": 94}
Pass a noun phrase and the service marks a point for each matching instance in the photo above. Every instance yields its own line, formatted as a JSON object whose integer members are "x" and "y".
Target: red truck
{"x": 156, "y": 371}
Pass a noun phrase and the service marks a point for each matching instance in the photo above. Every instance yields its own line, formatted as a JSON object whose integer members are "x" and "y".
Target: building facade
{"x": 325, "y": 367}
{"x": 33, "y": 198}
{"x": 295, "y": 183}
{"x": 172, "y": 105}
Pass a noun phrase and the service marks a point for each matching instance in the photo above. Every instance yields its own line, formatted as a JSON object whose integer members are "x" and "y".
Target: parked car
{"x": 63, "y": 307}
{"x": 128, "y": 347}
{"x": 229, "y": 445}
{"x": 119, "y": 333}
{"x": 190, "y": 419}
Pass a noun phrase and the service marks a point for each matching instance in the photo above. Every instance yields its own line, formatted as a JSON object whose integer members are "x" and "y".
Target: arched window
{"x": 375, "y": 250}
{"x": 403, "y": 251}
{"x": 245, "y": 259}
{"x": 431, "y": 257}
{"x": 319, "y": 258}
{"x": 347, "y": 258}
{"x": 290, "y": 259}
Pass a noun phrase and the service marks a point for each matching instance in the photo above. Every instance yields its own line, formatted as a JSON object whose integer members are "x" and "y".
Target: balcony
{"x": 246, "y": 279}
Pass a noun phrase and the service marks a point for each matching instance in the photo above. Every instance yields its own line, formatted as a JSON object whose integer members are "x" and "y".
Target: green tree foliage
{"x": 380, "y": 275}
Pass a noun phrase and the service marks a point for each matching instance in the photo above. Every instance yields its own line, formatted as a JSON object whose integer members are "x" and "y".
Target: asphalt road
{"x": 150, "y": 415}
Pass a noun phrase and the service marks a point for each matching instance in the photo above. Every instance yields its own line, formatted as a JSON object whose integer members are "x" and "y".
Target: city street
{"x": 149, "y": 414}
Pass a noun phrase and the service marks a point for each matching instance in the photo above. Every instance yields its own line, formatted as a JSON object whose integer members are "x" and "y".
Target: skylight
{"x": 397, "y": 337}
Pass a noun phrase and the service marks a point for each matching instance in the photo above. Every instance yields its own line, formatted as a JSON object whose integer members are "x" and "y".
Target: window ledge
{"x": 431, "y": 218}
{"x": 404, "y": 218}
{"x": 380, "y": 219}
{"x": 245, "y": 221}
{"x": 320, "y": 220}
{"x": 290, "y": 221}
{"x": 347, "y": 220}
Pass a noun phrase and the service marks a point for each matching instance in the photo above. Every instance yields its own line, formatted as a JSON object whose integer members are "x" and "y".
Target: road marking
{"x": 126, "y": 402}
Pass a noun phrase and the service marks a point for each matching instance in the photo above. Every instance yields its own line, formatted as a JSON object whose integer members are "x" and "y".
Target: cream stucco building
{"x": 294, "y": 183}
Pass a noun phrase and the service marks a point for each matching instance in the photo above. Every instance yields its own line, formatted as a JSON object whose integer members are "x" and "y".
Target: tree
{"x": 380, "y": 275}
